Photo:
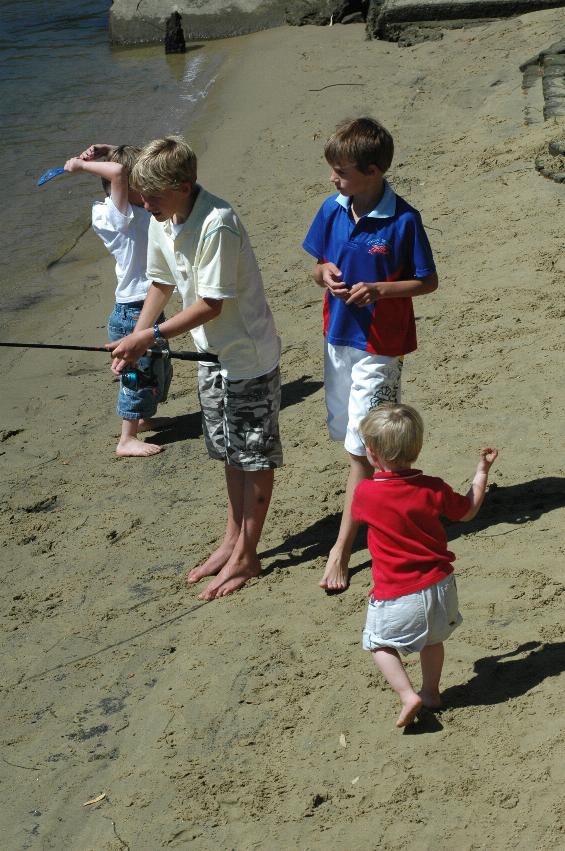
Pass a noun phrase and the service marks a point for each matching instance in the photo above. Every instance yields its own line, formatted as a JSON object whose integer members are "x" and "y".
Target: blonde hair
{"x": 125, "y": 155}
{"x": 362, "y": 141}
{"x": 164, "y": 164}
{"x": 394, "y": 433}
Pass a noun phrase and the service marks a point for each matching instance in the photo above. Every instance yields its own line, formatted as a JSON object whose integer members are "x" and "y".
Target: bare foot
{"x": 155, "y": 423}
{"x": 431, "y": 700}
{"x": 231, "y": 578}
{"x": 410, "y": 708}
{"x": 212, "y": 565}
{"x": 336, "y": 574}
{"x": 134, "y": 448}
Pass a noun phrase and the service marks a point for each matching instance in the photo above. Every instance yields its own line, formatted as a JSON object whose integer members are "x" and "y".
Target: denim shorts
{"x": 411, "y": 622}
{"x": 157, "y": 372}
{"x": 240, "y": 419}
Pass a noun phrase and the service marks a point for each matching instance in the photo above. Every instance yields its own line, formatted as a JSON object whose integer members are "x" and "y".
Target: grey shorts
{"x": 240, "y": 419}
{"x": 413, "y": 621}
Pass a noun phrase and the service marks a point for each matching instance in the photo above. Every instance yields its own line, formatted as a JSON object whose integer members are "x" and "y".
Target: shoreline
{"x": 117, "y": 680}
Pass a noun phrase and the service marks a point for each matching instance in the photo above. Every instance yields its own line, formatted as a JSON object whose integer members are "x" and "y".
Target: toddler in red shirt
{"x": 413, "y": 605}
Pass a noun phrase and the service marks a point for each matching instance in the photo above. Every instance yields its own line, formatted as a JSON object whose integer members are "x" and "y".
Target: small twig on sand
{"x": 498, "y": 534}
{"x": 331, "y": 85}
{"x": 17, "y": 765}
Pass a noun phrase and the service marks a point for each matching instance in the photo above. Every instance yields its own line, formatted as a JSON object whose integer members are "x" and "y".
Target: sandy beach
{"x": 257, "y": 722}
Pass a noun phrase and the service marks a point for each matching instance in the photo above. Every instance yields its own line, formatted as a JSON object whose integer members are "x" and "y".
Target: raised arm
{"x": 95, "y": 152}
{"x": 478, "y": 487}
{"x": 114, "y": 172}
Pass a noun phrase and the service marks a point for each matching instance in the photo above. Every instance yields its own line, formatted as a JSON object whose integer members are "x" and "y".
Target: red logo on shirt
{"x": 378, "y": 246}
{"x": 379, "y": 249}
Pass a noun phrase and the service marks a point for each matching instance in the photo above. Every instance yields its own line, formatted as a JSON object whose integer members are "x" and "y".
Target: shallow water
{"x": 63, "y": 87}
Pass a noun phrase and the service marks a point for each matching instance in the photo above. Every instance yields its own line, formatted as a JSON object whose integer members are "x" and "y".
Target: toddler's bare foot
{"x": 155, "y": 423}
{"x": 431, "y": 700}
{"x": 410, "y": 707}
{"x": 131, "y": 447}
{"x": 212, "y": 565}
{"x": 336, "y": 574}
{"x": 232, "y": 577}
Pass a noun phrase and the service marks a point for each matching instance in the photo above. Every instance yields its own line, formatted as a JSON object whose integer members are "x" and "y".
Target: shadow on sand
{"x": 500, "y": 678}
{"x": 189, "y": 426}
{"x": 514, "y": 505}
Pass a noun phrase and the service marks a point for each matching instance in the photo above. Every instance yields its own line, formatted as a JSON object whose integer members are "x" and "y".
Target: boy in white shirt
{"x": 198, "y": 244}
{"x": 122, "y": 223}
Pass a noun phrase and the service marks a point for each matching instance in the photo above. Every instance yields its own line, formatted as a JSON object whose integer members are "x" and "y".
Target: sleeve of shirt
{"x": 217, "y": 265}
{"x": 454, "y": 505}
{"x": 420, "y": 259}
{"x": 314, "y": 243}
{"x": 158, "y": 269}
{"x": 107, "y": 221}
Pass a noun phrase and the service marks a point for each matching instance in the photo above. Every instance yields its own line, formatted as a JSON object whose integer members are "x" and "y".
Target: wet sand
{"x": 256, "y": 722}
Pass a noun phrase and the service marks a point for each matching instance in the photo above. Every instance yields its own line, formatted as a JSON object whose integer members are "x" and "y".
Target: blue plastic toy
{"x": 49, "y": 175}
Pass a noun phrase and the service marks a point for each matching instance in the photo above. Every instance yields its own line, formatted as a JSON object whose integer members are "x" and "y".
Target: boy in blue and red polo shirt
{"x": 372, "y": 256}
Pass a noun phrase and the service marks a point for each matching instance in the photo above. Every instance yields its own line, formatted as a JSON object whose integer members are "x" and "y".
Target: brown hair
{"x": 394, "y": 432}
{"x": 164, "y": 164}
{"x": 362, "y": 141}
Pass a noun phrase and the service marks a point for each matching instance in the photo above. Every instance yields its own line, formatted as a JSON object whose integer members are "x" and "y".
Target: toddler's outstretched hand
{"x": 487, "y": 457}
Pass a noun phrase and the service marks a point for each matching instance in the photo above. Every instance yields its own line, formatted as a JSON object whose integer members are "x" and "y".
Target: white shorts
{"x": 413, "y": 621}
{"x": 355, "y": 383}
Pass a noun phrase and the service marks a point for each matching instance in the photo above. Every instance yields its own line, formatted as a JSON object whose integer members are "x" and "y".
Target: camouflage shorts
{"x": 240, "y": 419}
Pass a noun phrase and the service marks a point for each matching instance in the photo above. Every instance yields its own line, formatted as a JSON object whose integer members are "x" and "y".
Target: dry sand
{"x": 257, "y": 721}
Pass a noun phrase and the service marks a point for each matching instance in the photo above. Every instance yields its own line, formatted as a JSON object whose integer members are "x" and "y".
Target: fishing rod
{"x": 206, "y": 357}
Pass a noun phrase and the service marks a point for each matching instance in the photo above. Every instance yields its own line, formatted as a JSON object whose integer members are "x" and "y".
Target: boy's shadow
{"x": 515, "y": 504}
{"x": 311, "y": 543}
{"x": 189, "y": 426}
{"x": 184, "y": 427}
{"x": 296, "y": 391}
{"x": 500, "y": 678}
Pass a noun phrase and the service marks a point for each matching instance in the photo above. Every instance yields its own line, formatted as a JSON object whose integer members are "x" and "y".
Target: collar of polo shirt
{"x": 385, "y": 209}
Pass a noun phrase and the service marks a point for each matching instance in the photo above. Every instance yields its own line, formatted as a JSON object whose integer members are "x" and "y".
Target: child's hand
{"x": 331, "y": 278}
{"x": 487, "y": 457}
{"x": 362, "y": 294}
{"x": 128, "y": 350}
{"x": 74, "y": 164}
{"x": 94, "y": 152}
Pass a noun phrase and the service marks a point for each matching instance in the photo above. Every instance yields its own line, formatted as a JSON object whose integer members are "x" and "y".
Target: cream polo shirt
{"x": 211, "y": 257}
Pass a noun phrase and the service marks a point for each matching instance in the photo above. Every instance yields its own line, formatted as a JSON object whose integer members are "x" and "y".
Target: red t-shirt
{"x": 406, "y": 538}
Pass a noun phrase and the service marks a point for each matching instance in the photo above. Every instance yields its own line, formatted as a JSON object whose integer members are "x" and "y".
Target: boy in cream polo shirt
{"x": 198, "y": 244}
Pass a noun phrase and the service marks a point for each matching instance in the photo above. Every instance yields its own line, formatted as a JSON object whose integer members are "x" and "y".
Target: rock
{"x": 323, "y": 12}
{"x": 388, "y": 19}
{"x": 550, "y": 65}
{"x": 174, "y": 36}
{"x": 144, "y": 21}
{"x": 303, "y": 12}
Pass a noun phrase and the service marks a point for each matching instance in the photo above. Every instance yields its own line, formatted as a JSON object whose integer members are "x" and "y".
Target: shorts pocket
{"x": 449, "y": 602}
{"x": 403, "y": 618}
{"x": 257, "y": 441}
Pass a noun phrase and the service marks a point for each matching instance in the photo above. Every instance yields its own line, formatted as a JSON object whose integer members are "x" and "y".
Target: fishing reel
{"x": 137, "y": 379}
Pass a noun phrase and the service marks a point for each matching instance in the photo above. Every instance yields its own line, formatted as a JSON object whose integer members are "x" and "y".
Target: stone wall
{"x": 143, "y": 21}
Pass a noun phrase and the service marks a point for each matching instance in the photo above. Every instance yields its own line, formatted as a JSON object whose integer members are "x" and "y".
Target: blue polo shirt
{"x": 387, "y": 244}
